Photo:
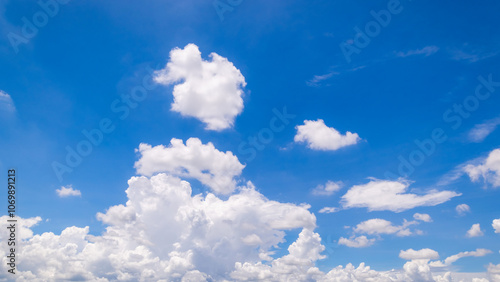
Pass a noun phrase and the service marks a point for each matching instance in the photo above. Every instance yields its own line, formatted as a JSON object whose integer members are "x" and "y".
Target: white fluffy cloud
{"x": 163, "y": 232}
{"x": 318, "y": 136}
{"x": 462, "y": 209}
{"x": 327, "y": 189}
{"x": 475, "y": 231}
{"x": 412, "y": 254}
{"x": 496, "y": 225}
{"x": 210, "y": 91}
{"x": 379, "y": 195}
{"x": 356, "y": 242}
{"x": 6, "y": 103}
{"x": 203, "y": 162}
{"x": 488, "y": 170}
{"x": 422, "y": 217}
{"x": 68, "y": 191}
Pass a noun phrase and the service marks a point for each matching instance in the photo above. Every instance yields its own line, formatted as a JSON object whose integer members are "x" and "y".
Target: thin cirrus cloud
{"x": 6, "y": 103}
{"x": 488, "y": 169}
{"x": 425, "y": 51}
{"x": 210, "y": 91}
{"x": 216, "y": 169}
{"x": 68, "y": 191}
{"x": 482, "y": 130}
{"x": 318, "y": 136}
{"x": 385, "y": 195}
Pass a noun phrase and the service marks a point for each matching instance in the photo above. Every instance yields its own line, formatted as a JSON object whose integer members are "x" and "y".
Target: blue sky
{"x": 394, "y": 91}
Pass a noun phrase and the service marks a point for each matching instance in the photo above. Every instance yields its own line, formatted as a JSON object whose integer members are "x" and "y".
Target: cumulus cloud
{"x": 203, "y": 162}
{"x": 356, "y": 242}
{"x": 422, "y": 217}
{"x": 475, "y": 231}
{"x": 68, "y": 191}
{"x": 494, "y": 272}
{"x": 210, "y": 91}
{"x": 496, "y": 225}
{"x": 318, "y": 136}
{"x": 379, "y": 195}
{"x": 488, "y": 170}
{"x": 164, "y": 232}
{"x": 412, "y": 254}
{"x": 6, "y": 103}
{"x": 462, "y": 209}
{"x": 481, "y": 131}
{"x": 327, "y": 189}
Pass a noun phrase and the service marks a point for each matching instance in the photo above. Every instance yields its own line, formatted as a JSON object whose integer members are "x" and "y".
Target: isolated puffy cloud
{"x": 67, "y": 191}
{"x": 356, "y": 242}
{"x": 475, "y": 231}
{"x": 379, "y": 195}
{"x": 496, "y": 225}
{"x": 6, "y": 103}
{"x": 422, "y": 217}
{"x": 462, "y": 209}
{"x": 379, "y": 226}
{"x": 481, "y": 131}
{"x": 488, "y": 170}
{"x": 210, "y": 91}
{"x": 327, "y": 189}
{"x": 412, "y": 254}
{"x": 318, "y": 136}
{"x": 203, "y": 162}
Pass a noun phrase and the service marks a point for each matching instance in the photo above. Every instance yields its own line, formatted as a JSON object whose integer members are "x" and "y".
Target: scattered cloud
{"x": 327, "y": 189}
{"x": 318, "y": 136}
{"x": 475, "y": 231}
{"x": 477, "y": 253}
{"x": 356, "y": 242}
{"x": 68, "y": 191}
{"x": 496, "y": 225}
{"x": 379, "y": 195}
{"x": 379, "y": 226}
{"x": 482, "y": 130}
{"x": 317, "y": 79}
{"x": 328, "y": 210}
{"x": 412, "y": 254}
{"x": 462, "y": 209}
{"x": 422, "y": 217}
{"x": 471, "y": 56}
{"x": 6, "y": 103}
{"x": 203, "y": 162}
{"x": 426, "y": 51}
{"x": 488, "y": 169}
{"x": 210, "y": 91}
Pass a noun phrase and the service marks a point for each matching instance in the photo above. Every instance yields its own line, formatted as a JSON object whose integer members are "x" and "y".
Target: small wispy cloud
{"x": 68, "y": 191}
{"x": 471, "y": 56}
{"x": 426, "y": 51}
{"x": 482, "y": 130}
{"x": 329, "y": 210}
{"x": 6, "y": 103}
{"x": 318, "y": 80}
